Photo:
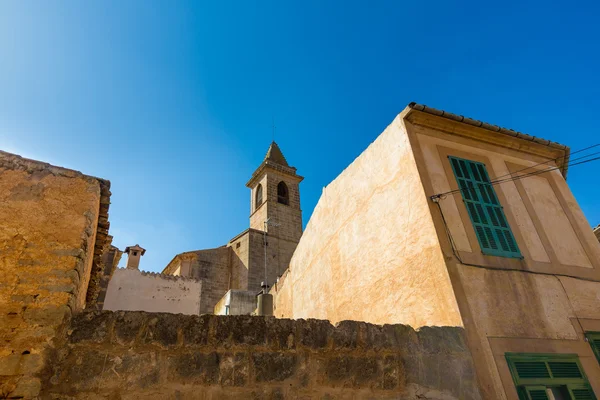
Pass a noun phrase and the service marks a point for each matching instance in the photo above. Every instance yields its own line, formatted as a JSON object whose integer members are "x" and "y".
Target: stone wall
{"x": 49, "y": 220}
{"x": 237, "y": 302}
{"x": 135, "y": 355}
{"x": 212, "y": 266}
{"x": 133, "y": 290}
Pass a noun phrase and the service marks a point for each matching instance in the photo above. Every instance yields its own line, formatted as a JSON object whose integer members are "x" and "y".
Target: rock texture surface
{"x": 136, "y": 355}
{"x": 49, "y": 236}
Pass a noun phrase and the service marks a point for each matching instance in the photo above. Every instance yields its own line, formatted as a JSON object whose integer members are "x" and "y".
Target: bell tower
{"x": 275, "y": 197}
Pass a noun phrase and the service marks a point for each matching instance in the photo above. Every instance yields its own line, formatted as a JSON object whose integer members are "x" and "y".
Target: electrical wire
{"x": 566, "y": 162}
{"x": 455, "y": 252}
{"x": 499, "y": 181}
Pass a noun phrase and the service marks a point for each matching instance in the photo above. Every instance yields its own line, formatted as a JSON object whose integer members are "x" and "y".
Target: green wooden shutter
{"x": 534, "y": 373}
{"x": 581, "y": 392}
{"x": 491, "y": 226}
{"x": 536, "y": 393}
{"x": 594, "y": 340}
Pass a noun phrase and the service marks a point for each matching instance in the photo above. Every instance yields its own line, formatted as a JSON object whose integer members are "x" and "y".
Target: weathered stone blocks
{"x": 154, "y": 355}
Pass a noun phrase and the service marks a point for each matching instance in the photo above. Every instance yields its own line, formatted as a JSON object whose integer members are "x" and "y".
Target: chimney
{"x": 133, "y": 256}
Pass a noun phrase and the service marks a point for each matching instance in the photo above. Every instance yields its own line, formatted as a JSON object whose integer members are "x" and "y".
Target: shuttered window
{"x": 486, "y": 213}
{"x": 594, "y": 341}
{"x": 538, "y": 375}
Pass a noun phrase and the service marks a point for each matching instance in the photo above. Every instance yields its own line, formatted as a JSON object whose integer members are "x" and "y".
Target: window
{"x": 491, "y": 227}
{"x": 135, "y": 253}
{"x": 283, "y": 194}
{"x": 549, "y": 376}
{"x": 594, "y": 340}
{"x": 258, "y": 200}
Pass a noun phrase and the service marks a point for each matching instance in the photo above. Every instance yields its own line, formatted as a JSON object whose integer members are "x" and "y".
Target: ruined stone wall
{"x": 134, "y": 355}
{"x": 49, "y": 219}
{"x": 133, "y": 290}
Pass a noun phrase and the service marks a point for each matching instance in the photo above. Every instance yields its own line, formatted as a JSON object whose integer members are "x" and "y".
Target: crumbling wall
{"x": 134, "y": 290}
{"x": 48, "y": 223}
{"x": 136, "y": 355}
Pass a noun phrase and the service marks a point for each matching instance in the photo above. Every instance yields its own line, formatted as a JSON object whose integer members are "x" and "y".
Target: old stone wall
{"x": 279, "y": 254}
{"x": 237, "y": 302}
{"x": 133, "y": 290}
{"x": 135, "y": 355}
{"x": 212, "y": 266}
{"x": 49, "y": 220}
{"x": 240, "y": 259}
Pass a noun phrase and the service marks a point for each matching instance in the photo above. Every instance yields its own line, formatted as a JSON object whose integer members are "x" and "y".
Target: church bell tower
{"x": 275, "y": 198}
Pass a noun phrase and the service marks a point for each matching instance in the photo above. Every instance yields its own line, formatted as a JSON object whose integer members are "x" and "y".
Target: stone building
{"x": 448, "y": 221}
{"x": 231, "y": 275}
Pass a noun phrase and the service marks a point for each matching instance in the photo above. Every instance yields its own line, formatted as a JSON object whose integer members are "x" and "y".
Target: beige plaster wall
{"x": 514, "y": 311}
{"x": 48, "y": 222}
{"x": 133, "y": 290}
{"x": 550, "y": 228}
{"x": 510, "y": 304}
{"x": 370, "y": 251}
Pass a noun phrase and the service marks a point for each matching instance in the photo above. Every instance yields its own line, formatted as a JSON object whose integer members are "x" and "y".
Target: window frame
{"x": 491, "y": 210}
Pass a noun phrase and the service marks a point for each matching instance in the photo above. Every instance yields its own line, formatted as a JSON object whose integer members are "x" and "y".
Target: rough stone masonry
{"x": 139, "y": 355}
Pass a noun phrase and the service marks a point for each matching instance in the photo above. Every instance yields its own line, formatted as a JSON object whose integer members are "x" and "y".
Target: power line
{"x": 498, "y": 181}
{"x": 554, "y": 159}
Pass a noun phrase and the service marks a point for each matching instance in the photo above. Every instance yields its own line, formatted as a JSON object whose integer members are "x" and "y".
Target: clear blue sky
{"x": 172, "y": 101}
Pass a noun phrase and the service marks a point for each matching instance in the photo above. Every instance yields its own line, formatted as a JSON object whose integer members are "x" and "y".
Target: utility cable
{"x": 455, "y": 252}
{"x": 498, "y": 181}
{"x": 566, "y": 162}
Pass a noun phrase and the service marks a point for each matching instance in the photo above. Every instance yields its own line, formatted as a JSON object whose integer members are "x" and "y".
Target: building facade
{"x": 445, "y": 220}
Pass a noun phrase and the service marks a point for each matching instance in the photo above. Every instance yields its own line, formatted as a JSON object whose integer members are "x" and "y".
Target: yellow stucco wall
{"x": 509, "y": 304}
{"x": 370, "y": 251}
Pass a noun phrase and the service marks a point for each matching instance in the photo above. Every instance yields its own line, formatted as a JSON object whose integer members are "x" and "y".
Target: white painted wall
{"x": 133, "y": 290}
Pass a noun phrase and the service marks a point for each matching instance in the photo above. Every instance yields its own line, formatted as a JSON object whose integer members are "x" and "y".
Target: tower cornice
{"x": 270, "y": 165}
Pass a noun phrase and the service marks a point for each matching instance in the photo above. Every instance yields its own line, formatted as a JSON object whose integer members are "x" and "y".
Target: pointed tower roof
{"x": 275, "y": 161}
{"x": 274, "y": 154}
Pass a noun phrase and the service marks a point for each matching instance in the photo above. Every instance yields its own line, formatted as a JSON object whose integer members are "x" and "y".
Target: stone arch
{"x": 283, "y": 194}
{"x": 258, "y": 199}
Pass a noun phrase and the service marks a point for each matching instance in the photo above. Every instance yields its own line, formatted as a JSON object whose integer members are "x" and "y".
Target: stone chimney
{"x": 133, "y": 256}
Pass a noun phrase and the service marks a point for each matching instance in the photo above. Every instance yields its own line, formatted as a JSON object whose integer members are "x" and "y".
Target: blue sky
{"x": 173, "y": 101}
